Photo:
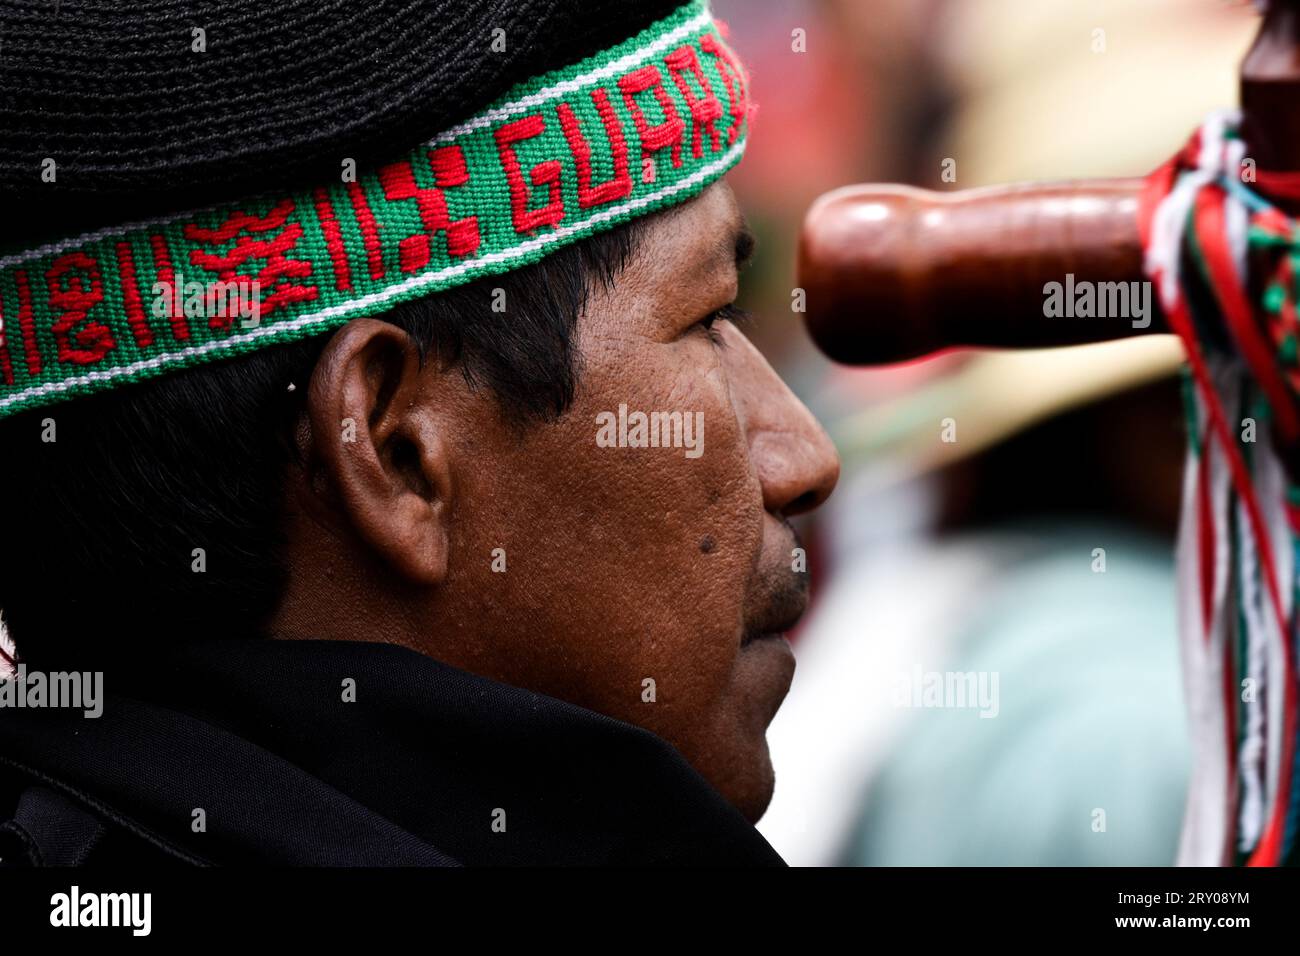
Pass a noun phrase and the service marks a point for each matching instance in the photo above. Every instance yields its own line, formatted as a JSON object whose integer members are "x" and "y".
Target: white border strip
{"x": 382, "y": 296}
{"x": 479, "y": 122}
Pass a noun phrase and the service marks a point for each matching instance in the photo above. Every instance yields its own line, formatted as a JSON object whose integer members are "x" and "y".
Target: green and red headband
{"x": 644, "y": 125}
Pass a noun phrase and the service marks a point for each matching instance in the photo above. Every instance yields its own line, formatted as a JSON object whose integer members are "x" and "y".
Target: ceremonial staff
{"x": 894, "y": 272}
{"x": 1211, "y": 245}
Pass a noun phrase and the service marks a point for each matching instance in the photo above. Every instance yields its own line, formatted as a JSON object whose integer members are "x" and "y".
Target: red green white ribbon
{"x": 1209, "y": 238}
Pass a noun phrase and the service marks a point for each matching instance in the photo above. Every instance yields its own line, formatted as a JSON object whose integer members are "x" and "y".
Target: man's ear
{"x": 376, "y": 445}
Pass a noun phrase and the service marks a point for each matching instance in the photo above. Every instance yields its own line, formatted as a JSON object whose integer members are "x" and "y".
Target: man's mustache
{"x": 779, "y": 596}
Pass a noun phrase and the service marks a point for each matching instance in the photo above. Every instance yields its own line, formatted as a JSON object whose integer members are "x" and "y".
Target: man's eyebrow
{"x": 745, "y": 245}
{"x": 730, "y": 247}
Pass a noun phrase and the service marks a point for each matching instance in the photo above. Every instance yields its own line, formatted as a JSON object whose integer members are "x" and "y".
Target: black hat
{"x": 182, "y": 187}
{"x": 158, "y": 105}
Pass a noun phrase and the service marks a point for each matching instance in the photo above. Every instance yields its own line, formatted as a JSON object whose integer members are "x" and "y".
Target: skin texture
{"x": 622, "y": 564}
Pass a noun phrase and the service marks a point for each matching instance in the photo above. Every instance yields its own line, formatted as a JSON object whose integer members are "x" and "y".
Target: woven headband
{"x": 644, "y": 125}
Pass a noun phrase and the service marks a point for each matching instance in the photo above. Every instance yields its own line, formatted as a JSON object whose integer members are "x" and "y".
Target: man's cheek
{"x": 723, "y": 469}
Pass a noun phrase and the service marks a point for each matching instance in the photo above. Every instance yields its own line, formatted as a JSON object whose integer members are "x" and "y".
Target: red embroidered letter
{"x": 26, "y": 329}
{"x": 6, "y": 369}
{"x": 75, "y": 287}
{"x": 705, "y": 110}
{"x": 329, "y": 227}
{"x": 733, "y": 74}
{"x": 398, "y": 180}
{"x": 621, "y": 184}
{"x": 369, "y": 231}
{"x": 131, "y": 296}
{"x": 667, "y": 133}
{"x": 162, "y": 262}
{"x": 242, "y": 227}
{"x": 543, "y": 174}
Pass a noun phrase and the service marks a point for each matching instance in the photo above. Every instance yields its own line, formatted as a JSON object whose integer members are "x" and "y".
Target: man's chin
{"x": 758, "y": 789}
{"x": 767, "y": 668}
{"x": 766, "y": 665}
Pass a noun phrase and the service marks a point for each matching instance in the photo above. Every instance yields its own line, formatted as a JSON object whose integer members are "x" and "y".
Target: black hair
{"x": 101, "y": 523}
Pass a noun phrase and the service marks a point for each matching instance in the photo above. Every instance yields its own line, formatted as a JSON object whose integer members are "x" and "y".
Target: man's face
{"x": 651, "y": 584}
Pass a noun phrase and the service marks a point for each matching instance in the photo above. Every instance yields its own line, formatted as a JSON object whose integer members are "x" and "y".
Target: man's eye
{"x": 729, "y": 313}
{"x": 709, "y": 322}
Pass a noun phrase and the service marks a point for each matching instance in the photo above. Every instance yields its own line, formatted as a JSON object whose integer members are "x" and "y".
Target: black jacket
{"x": 429, "y": 766}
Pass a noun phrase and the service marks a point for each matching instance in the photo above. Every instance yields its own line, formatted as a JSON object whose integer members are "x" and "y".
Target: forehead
{"x": 683, "y": 267}
{"x": 696, "y": 241}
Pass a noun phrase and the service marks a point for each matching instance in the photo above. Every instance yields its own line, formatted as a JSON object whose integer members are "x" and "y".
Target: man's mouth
{"x": 751, "y": 637}
{"x": 778, "y": 593}
{"x": 783, "y": 612}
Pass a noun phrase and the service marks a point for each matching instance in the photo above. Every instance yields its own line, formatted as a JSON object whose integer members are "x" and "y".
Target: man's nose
{"x": 796, "y": 462}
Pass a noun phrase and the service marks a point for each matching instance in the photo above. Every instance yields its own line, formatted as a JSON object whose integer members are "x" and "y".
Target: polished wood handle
{"x": 893, "y": 272}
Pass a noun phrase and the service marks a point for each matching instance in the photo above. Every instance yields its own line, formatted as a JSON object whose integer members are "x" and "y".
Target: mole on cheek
{"x": 706, "y": 544}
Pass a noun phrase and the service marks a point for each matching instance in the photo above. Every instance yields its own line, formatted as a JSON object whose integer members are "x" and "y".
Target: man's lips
{"x": 783, "y": 612}
{"x": 751, "y": 637}
{"x": 778, "y": 595}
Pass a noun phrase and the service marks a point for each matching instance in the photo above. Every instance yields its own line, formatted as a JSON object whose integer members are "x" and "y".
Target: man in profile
{"x": 470, "y": 544}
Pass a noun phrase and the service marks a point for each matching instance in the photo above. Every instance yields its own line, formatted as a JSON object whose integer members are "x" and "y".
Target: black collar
{"x": 430, "y": 765}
